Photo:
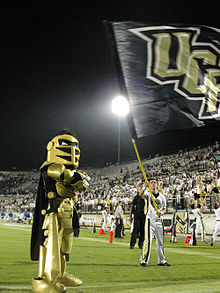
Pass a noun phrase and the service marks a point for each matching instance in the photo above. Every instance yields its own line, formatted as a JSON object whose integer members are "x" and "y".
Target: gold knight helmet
{"x": 63, "y": 149}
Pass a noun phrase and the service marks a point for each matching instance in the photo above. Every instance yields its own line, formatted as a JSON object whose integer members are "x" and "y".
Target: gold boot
{"x": 67, "y": 279}
{"x": 70, "y": 280}
{"x": 42, "y": 286}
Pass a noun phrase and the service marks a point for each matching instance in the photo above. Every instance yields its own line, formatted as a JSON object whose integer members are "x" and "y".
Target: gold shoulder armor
{"x": 55, "y": 170}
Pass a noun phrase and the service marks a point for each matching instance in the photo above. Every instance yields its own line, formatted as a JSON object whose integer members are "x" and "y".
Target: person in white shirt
{"x": 153, "y": 223}
{"x": 217, "y": 225}
{"x": 119, "y": 214}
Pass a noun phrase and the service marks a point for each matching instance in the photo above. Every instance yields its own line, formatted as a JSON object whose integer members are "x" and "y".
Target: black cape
{"x": 37, "y": 235}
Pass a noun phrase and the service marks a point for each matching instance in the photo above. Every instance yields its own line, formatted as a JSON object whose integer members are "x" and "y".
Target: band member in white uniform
{"x": 104, "y": 218}
{"x": 217, "y": 225}
{"x": 111, "y": 221}
{"x": 153, "y": 224}
{"x": 197, "y": 210}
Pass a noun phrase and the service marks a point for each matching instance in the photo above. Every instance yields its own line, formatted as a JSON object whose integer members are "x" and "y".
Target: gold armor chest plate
{"x": 64, "y": 191}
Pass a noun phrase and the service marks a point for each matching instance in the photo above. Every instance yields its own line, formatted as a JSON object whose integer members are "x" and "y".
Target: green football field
{"x": 113, "y": 267}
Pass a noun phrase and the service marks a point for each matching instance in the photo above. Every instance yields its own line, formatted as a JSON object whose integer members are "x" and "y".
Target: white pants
{"x": 153, "y": 227}
{"x": 104, "y": 224}
{"x": 112, "y": 226}
{"x": 217, "y": 230}
{"x": 200, "y": 226}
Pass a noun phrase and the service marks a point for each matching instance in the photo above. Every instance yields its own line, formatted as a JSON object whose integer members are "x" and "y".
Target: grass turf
{"x": 106, "y": 267}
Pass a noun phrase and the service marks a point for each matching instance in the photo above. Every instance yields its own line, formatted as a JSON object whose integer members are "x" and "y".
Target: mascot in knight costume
{"x": 52, "y": 232}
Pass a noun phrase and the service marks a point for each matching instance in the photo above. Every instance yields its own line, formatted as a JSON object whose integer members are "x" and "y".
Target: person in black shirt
{"x": 137, "y": 209}
{"x": 76, "y": 218}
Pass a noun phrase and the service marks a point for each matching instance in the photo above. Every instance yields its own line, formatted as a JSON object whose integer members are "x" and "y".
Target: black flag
{"x": 170, "y": 75}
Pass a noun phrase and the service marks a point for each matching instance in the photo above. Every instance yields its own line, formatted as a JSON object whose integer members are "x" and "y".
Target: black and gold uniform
{"x": 52, "y": 231}
{"x": 137, "y": 210}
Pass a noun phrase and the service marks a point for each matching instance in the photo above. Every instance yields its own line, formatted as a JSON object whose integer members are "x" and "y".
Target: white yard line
{"x": 164, "y": 286}
{"x": 173, "y": 250}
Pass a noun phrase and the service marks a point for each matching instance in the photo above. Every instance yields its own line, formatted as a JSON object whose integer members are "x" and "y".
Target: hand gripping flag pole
{"x": 144, "y": 174}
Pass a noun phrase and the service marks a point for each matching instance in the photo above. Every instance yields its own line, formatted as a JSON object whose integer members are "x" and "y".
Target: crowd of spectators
{"x": 182, "y": 177}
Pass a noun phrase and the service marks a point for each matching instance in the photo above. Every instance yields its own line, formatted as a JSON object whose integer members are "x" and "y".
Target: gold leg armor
{"x": 49, "y": 260}
{"x": 65, "y": 240}
{"x": 52, "y": 262}
{"x": 52, "y": 277}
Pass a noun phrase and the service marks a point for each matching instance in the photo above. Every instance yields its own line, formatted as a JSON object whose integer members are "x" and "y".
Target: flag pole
{"x": 144, "y": 174}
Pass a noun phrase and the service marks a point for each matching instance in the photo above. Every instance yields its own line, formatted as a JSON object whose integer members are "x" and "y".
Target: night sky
{"x": 57, "y": 72}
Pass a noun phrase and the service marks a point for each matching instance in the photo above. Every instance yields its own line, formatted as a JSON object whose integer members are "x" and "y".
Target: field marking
{"x": 17, "y": 226}
{"x": 173, "y": 250}
{"x": 210, "y": 285}
{"x": 153, "y": 286}
{"x": 190, "y": 252}
{"x": 14, "y": 225}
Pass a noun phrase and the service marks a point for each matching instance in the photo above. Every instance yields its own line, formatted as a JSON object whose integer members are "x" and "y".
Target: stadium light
{"x": 120, "y": 107}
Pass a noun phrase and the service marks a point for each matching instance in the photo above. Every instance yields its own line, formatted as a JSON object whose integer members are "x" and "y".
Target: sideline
{"x": 116, "y": 242}
{"x": 15, "y": 225}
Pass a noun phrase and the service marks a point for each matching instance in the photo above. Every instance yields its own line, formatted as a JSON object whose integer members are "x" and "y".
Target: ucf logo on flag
{"x": 171, "y": 75}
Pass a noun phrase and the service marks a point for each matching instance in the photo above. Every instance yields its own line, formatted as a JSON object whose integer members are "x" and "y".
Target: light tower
{"x": 120, "y": 107}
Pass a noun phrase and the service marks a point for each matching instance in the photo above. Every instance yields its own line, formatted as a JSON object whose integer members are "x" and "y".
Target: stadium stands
{"x": 182, "y": 177}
